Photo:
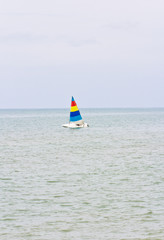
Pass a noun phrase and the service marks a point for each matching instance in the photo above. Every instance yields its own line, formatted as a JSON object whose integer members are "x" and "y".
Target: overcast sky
{"x": 107, "y": 53}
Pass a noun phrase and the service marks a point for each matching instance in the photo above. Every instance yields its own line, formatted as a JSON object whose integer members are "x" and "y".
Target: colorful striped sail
{"x": 74, "y": 112}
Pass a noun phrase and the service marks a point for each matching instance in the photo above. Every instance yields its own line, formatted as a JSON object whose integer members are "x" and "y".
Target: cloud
{"x": 122, "y": 26}
{"x": 80, "y": 42}
{"x": 26, "y": 14}
{"x": 29, "y": 38}
{"x": 22, "y": 38}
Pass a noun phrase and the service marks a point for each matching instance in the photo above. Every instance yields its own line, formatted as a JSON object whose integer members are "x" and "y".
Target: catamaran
{"x": 76, "y": 120}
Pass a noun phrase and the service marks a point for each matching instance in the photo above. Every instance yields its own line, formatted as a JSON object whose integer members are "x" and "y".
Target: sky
{"x": 107, "y": 53}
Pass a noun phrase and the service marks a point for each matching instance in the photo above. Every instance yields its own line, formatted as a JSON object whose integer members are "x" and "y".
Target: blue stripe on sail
{"x": 73, "y": 114}
{"x": 76, "y": 118}
{"x": 73, "y": 99}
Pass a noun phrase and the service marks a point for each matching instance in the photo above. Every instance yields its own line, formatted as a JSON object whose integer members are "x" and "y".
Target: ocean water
{"x": 102, "y": 182}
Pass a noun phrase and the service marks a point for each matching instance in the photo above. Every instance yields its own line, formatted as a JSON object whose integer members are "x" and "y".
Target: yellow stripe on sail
{"x": 74, "y": 109}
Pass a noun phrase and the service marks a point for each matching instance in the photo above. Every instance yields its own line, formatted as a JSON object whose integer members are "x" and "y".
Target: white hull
{"x": 74, "y": 125}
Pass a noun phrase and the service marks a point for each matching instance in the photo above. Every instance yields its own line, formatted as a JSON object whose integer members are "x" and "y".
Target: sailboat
{"x": 76, "y": 120}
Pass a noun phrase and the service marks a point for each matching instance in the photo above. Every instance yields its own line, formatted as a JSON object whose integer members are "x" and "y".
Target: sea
{"x": 97, "y": 183}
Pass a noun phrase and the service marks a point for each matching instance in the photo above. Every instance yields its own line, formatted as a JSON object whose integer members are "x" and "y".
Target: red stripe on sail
{"x": 73, "y": 103}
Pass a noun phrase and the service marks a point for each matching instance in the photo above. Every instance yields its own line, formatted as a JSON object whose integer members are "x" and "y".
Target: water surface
{"x": 103, "y": 182}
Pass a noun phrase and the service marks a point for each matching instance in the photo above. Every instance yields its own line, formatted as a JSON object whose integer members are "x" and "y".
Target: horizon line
{"x": 51, "y": 108}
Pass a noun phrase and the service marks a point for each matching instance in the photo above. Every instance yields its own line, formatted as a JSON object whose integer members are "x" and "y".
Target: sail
{"x": 75, "y": 115}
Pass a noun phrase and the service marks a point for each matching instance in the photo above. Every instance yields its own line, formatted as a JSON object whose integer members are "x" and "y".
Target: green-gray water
{"x": 102, "y": 182}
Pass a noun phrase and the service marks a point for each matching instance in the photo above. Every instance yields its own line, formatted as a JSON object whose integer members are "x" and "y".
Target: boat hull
{"x": 73, "y": 125}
